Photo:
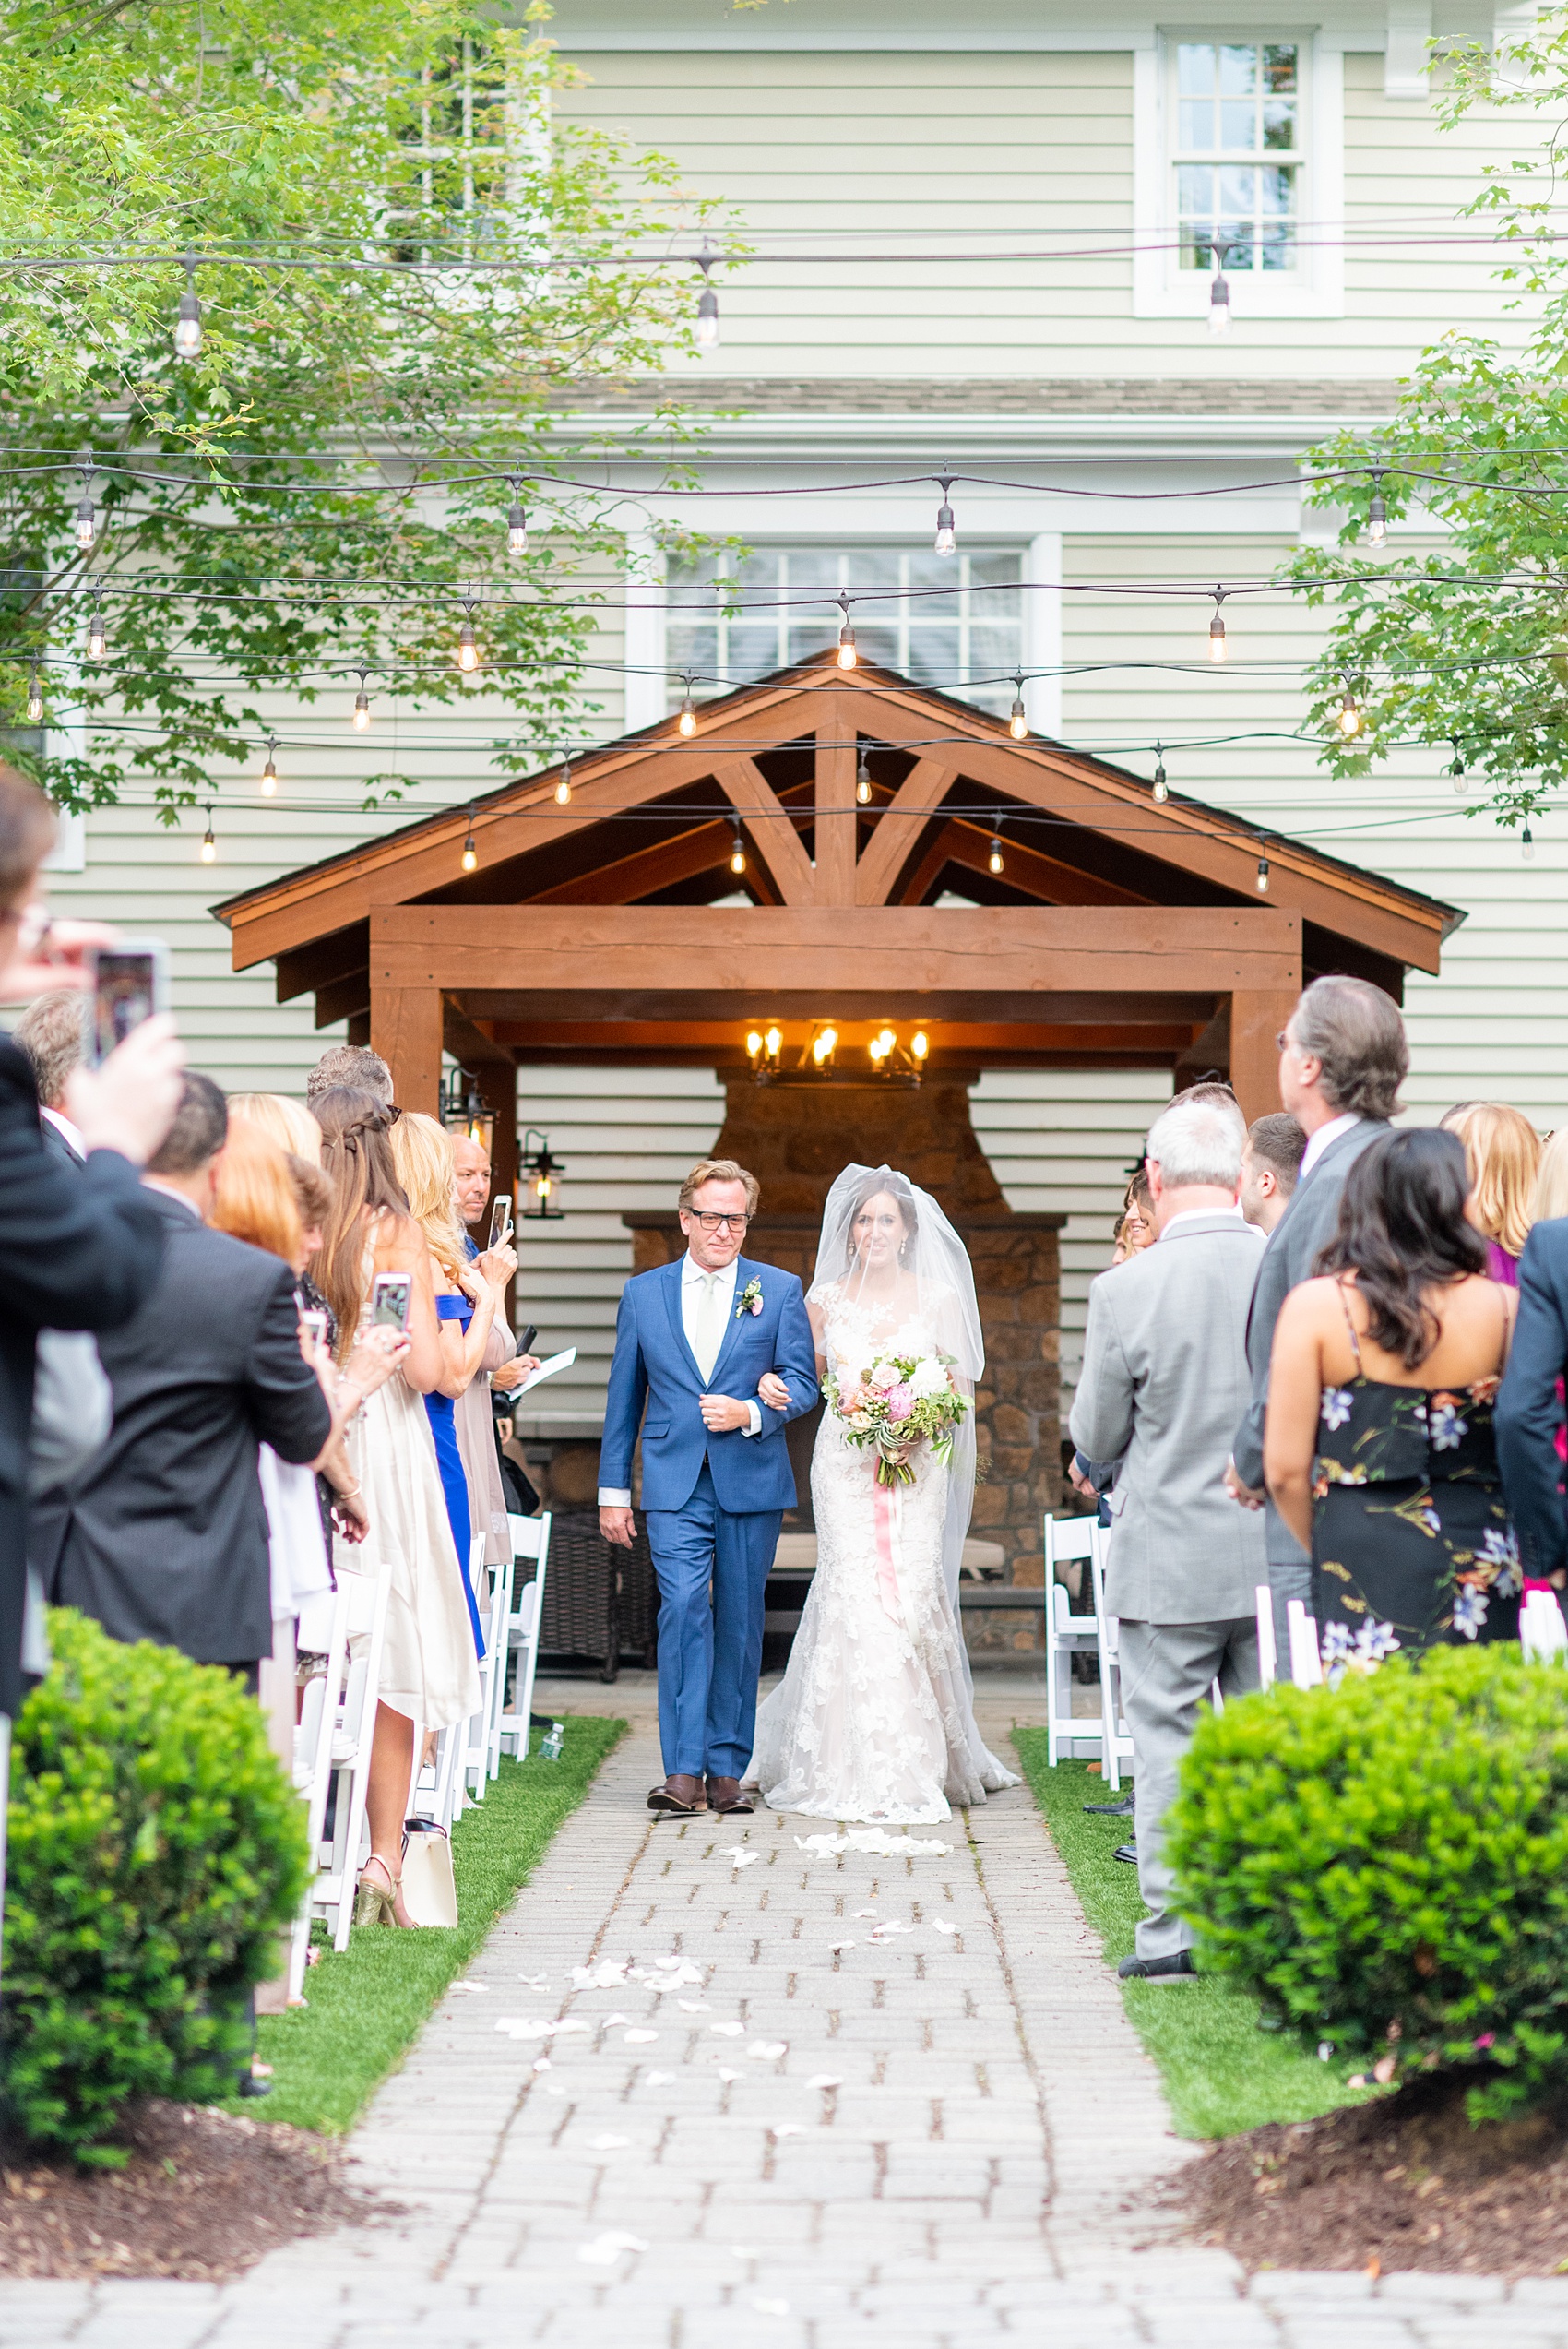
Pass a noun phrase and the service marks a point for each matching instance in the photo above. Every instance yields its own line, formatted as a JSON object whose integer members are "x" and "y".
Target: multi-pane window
{"x": 1237, "y": 152}
{"x": 951, "y": 621}
{"x": 459, "y": 138}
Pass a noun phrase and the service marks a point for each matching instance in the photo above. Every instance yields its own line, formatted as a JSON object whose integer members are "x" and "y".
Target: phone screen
{"x": 314, "y": 1322}
{"x": 501, "y": 1222}
{"x": 389, "y": 1300}
{"x": 124, "y": 994}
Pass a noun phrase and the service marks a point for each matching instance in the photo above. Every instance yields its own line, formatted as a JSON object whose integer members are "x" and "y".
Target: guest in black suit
{"x": 50, "y": 1032}
{"x": 1528, "y": 1412}
{"x": 166, "y": 1537}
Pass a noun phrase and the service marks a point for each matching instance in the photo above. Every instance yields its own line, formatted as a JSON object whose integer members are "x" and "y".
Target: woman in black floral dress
{"x": 1380, "y": 1453}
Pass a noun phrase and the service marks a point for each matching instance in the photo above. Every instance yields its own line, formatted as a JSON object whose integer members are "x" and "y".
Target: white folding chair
{"x": 1116, "y": 1738}
{"x": 531, "y": 1539}
{"x": 497, "y": 1642}
{"x": 1306, "y": 1664}
{"x": 348, "y": 1695}
{"x": 1268, "y": 1652}
{"x": 313, "y": 1771}
{"x": 1067, "y": 1635}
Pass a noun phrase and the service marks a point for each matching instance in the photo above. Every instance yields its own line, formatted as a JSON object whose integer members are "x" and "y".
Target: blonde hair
{"x": 719, "y": 1170}
{"x": 256, "y": 1201}
{"x": 1503, "y": 1154}
{"x": 1552, "y": 1180}
{"x": 288, "y": 1123}
{"x": 423, "y": 1154}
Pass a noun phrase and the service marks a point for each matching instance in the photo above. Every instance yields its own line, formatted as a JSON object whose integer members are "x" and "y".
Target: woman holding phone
{"x": 372, "y": 1246}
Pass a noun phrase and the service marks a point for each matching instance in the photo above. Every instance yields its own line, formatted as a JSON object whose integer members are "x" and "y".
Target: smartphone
{"x": 126, "y": 984}
{"x": 525, "y": 1343}
{"x": 501, "y": 1222}
{"x": 313, "y": 1322}
{"x": 389, "y": 1300}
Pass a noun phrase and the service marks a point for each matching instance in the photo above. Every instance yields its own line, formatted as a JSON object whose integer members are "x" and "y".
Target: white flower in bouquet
{"x": 930, "y": 1377}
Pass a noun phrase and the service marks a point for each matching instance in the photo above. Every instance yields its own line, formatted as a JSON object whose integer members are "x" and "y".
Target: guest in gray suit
{"x": 1165, "y": 1374}
{"x": 1342, "y": 1060}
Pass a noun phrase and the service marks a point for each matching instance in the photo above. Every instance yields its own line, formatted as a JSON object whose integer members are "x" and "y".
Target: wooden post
{"x": 1256, "y": 1017}
{"x": 404, "y": 1028}
{"x": 834, "y": 819}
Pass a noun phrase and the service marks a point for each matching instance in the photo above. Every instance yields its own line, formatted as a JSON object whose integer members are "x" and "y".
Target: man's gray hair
{"x": 50, "y": 1032}
{"x": 353, "y": 1064}
{"x": 1198, "y": 1141}
{"x": 1354, "y": 1028}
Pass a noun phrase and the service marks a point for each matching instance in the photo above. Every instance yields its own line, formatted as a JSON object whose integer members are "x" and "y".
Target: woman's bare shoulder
{"x": 1315, "y": 1304}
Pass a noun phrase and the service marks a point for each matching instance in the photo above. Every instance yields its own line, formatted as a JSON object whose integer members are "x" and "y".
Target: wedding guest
{"x": 351, "y": 1066}
{"x": 471, "y": 1161}
{"x": 1271, "y": 1167}
{"x": 1164, "y": 1376}
{"x": 1380, "y": 1450}
{"x": 50, "y": 1032}
{"x": 1342, "y": 1060}
{"x": 1136, "y": 1230}
{"x": 1550, "y": 1197}
{"x": 428, "y": 1673}
{"x": 1503, "y": 1151}
{"x": 288, "y": 1123}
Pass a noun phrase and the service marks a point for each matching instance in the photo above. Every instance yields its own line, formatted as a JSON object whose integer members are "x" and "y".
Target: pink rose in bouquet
{"x": 851, "y": 1398}
{"x": 900, "y": 1403}
{"x": 884, "y": 1376}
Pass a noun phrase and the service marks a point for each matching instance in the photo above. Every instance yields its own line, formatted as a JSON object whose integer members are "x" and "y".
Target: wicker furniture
{"x": 600, "y": 1603}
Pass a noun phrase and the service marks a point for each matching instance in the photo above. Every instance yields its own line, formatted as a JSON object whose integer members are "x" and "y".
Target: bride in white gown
{"x": 875, "y": 1718}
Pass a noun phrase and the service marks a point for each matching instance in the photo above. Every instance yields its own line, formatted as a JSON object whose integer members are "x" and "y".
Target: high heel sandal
{"x": 378, "y": 1904}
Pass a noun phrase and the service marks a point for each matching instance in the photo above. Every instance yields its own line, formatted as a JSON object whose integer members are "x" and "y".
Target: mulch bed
{"x": 203, "y": 2198}
{"x": 1404, "y": 2182}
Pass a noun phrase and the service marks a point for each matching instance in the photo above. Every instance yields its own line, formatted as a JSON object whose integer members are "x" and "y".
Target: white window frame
{"x": 1316, "y": 288}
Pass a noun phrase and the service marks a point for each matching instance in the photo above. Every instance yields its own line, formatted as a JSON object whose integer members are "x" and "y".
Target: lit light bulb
{"x": 1217, "y": 629}
{"x": 946, "y": 541}
{"x": 35, "y": 696}
{"x": 187, "y": 326}
{"x": 753, "y": 1046}
{"x": 995, "y": 859}
{"x": 1527, "y": 845}
{"x": 1161, "y": 788}
{"x": 774, "y": 1041}
{"x": 517, "y": 529}
{"x": 361, "y": 707}
{"x": 707, "y": 312}
{"x": 877, "y": 1051}
{"x": 1262, "y": 876}
{"x": 823, "y": 1048}
{"x": 563, "y": 788}
{"x": 1018, "y": 721}
{"x": 687, "y": 722}
{"x": 97, "y": 633}
{"x": 1456, "y": 771}
{"x": 919, "y": 1043}
{"x": 862, "y": 782}
{"x": 1349, "y": 718}
{"x": 468, "y": 650}
{"x": 269, "y": 772}
{"x": 470, "y": 855}
{"x": 848, "y": 656}
{"x": 1219, "y": 305}
{"x": 208, "y": 850}
{"x": 1377, "y": 519}
{"x": 86, "y": 521}
{"x": 887, "y": 1039}
{"x": 738, "y": 853}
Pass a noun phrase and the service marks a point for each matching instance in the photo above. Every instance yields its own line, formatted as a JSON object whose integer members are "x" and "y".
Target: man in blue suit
{"x": 1528, "y": 1412}
{"x": 692, "y": 1341}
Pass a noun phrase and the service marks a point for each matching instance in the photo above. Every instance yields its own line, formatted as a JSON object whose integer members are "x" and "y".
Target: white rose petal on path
{"x": 567, "y": 2025}
{"x": 608, "y": 2142}
{"x": 727, "y": 2030}
{"x": 826, "y": 2079}
{"x": 639, "y": 2038}
{"x": 788, "y": 2129}
{"x": 608, "y": 2022}
{"x": 523, "y": 2027}
{"x": 726, "y": 2074}
{"x": 738, "y": 1857}
{"x": 694, "y": 2006}
{"x": 467, "y": 1985}
{"x": 658, "y": 2079}
{"x": 945, "y": 1923}
{"x": 838, "y": 1948}
{"x": 542, "y": 2063}
{"x": 864, "y": 1913}
{"x": 768, "y": 2051}
{"x": 605, "y": 2249}
{"x": 534, "y": 1981}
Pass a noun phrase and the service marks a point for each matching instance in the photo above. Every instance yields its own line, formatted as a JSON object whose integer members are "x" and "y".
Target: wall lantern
{"x": 539, "y": 1184}
{"x": 463, "y": 1114}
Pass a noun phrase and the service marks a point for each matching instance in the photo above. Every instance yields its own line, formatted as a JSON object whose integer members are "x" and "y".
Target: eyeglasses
{"x": 718, "y": 1223}
{"x": 1284, "y": 1042}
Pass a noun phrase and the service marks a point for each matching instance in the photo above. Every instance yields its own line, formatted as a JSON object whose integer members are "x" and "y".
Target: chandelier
{"x": 825, "y": 1057}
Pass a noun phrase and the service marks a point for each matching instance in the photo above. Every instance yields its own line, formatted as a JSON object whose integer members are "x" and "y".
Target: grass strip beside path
{"x": 366, "y": 2007}
{"x": 1221, "y": 2073}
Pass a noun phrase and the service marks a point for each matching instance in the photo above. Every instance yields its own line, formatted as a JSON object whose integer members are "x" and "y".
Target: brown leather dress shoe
{"x": 678, "y": 1797}
{"x": 724, "y": 1797}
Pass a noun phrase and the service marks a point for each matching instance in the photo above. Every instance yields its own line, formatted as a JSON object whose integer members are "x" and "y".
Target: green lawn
{"x": 366, "y": 2005}
{"x": 1221, "y": 2073}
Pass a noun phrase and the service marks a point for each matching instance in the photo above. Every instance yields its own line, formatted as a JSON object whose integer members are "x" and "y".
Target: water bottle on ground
{"x": 554, "y": 1740}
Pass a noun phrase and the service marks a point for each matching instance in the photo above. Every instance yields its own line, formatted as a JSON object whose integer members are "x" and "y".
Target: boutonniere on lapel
{"x": 750, "y": 1298}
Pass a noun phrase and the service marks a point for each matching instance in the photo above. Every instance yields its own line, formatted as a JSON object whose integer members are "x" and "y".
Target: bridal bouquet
{"x": 901, "y": 1402}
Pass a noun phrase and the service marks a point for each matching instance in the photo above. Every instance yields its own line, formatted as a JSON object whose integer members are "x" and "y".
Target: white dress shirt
{"x": 704, "y": 1315}
{"x": 63, "y": 1125}
{"x": 1191, "y": 1215}
{"x": 1317, "y": 1143}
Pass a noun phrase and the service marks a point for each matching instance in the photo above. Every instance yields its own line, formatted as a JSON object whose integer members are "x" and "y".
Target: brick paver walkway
{"x": 787, "y": 2096}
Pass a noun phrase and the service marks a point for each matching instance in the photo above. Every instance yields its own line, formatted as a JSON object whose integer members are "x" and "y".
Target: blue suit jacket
{"x": 1527, "y": 1410}
{"x": 653, "y": 1365}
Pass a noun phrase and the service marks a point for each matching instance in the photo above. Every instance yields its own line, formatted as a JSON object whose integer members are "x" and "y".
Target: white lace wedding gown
{"x": 872, "y": 1720}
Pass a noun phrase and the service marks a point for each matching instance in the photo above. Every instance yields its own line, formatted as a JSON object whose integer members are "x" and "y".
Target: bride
{"x": 874, "y": 1719}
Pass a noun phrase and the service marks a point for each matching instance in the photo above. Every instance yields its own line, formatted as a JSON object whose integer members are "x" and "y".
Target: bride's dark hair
{"x": 1403, "y": 1232}
{"x": 897, "y": 1188}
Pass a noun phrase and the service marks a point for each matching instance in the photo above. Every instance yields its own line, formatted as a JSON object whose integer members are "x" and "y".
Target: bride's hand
{"x": 771, "y": 1390}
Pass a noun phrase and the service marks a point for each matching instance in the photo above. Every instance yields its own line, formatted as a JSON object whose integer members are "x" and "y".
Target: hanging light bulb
{"x": 269, "y": 772}
{"x": 1161, "y": 788}
{"x": 87, "y": 516}
{"x": 468, "y": 650}
{"x": 563, "y": 788}
{"x": 773, "y": 1041}
{"x": 862, "y": 781}
{"x": 471, "y": 853}
{"x": 97, "y": 633}
{"x": 1019, "y": 719}
{"x": 707, "y": 311}
{"x": 1349, "y": 720}
{"x": 35, "y": 696}
{"x": 1217, "y": 628}
{"x": 517, "y": 522}
{"x": 1527, "y": 844}
{"x": 824, "y": 1044}
{"x": 687, "y": 722}
{"x": 737, "y": 852}
{"x": 919, "y": 1043}
{"x": 1377, "y": 513}
{"x": 1220, "y": 294}
{"x": 947, "y": 536}
{"x": 994, "y": 861}
{"x": 1262, "y": 876}
{"x": 209, "y": 849}
{"x": 1456, "y": 771}
{"x": 187, "y": 326}
{"x": 848, "y": 656}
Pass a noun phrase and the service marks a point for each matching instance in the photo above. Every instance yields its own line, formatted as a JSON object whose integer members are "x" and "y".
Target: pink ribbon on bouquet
{"x": 886, "y": 1499}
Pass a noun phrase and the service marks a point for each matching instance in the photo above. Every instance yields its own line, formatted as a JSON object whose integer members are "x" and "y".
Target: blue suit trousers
{"x": 712, "y": 1567}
